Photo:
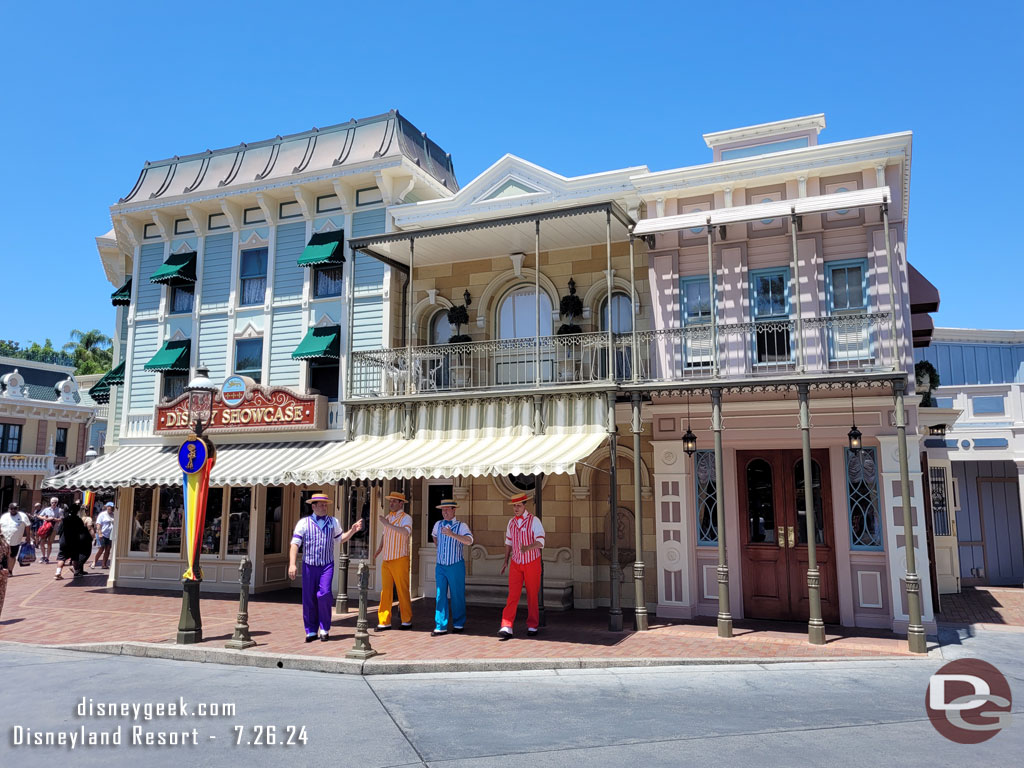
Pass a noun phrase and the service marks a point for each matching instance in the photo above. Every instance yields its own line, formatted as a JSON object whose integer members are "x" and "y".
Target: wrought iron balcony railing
{"x": 818, "y": 346}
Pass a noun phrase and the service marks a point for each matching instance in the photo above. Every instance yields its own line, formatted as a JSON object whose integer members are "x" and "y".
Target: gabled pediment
{"x": 511, "y": 186}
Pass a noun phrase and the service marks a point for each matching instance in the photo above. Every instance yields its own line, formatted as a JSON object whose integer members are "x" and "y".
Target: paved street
{"x": 811, "y": 713}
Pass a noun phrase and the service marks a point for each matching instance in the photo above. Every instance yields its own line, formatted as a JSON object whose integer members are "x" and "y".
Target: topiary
{"x": 570, "y": 306}
{"x": 458, "y": 316}
{"x": 927, "y": 380}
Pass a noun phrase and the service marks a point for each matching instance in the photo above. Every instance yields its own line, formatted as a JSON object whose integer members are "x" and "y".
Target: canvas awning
{"x": 179, "y": 268}
{"x": 122, "y": 297}
{"x": 320, "y": 343}
{"x": 323, "y": 248}
{"x": 172, "y": 356}
{"x": 838, "y": 201}
{"x": 237, "y": 464}
{"x": 100, "y": 391}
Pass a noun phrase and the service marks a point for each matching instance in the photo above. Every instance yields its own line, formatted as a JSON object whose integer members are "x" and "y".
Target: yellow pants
{"x": 394, "y": 574}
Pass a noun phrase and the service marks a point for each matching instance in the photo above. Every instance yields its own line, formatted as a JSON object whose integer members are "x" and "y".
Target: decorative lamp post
{"x": 196, "y": 457}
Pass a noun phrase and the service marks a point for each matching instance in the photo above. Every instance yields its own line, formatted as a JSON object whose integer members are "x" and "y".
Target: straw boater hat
{"x": 319, "y": 496}
{"x": 522, "y": 498}
{"x": 396, "y": 496}
{"x": 447, "y": 503}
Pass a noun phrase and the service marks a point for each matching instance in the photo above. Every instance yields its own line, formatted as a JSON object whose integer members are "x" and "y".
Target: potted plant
{"x": 570, "y": 307}
{"x": 458, "y": 316}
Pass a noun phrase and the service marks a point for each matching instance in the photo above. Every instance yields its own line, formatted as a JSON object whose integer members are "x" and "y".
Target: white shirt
{"x": 13, "y": 527}
{"x": 105, "y": 522}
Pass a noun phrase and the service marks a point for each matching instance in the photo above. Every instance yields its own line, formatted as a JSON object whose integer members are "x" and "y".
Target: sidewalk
{"x": 42, "y": 611}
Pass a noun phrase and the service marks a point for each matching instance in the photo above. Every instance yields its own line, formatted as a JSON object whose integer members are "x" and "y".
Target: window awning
{"x": 837, "y": 201}
{"x": 172, "y": 356}
{"x": 122, "y": 297}
{"x": 239, "y": 464}
{"x": 924, "y": 297}
{"x": 179, "y": 268}
{"x": 100, "y": 391}
{"x": 320, "y": 343}
{"x": 323, "y": 248}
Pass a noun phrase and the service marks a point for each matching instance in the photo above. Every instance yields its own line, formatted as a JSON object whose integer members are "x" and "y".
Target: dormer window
{"x": 765, "y": 138}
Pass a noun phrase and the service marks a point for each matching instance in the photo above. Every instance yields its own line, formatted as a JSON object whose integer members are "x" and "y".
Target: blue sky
{"x": 94, "y": 90}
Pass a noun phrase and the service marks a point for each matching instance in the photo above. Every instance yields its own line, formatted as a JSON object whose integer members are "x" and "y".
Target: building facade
{"x": 976, "y": 456}
{"x": 44, "y": 427}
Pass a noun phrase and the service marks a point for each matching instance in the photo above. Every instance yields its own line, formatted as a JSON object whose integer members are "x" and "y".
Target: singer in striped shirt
{"x": 316, "y": 534}
{"x": 394, "y": 570}
{"x": 524, "y": 540}
{"x": 450, "y": 572}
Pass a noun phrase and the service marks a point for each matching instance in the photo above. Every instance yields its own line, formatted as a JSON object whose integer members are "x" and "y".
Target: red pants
{"x": 517, "y": 575}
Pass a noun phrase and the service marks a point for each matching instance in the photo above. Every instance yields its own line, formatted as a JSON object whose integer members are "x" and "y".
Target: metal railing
{"x": 697, "y": 352}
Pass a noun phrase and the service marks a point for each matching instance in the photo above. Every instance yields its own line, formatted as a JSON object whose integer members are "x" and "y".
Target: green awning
{"x": 172, "y": 356}
{"x": 122, "y": 297}
{"x": 179, "y": 268}
{"x": 100, "y": 391}
{"x": 323, "y": 248}
{"x": 320, "y": 343}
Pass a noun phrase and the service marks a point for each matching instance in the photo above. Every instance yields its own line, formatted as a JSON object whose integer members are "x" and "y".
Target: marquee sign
{"x": 260, "y": 409}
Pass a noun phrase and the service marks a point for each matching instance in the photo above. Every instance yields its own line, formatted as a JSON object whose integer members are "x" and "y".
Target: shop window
{"x": 214, "y": 522}
{"x": 435, "y": 494}
{"x": 358, "y": 507}
{"x": 760, "y": 502}
{"x": 60, "y": 445}
{"x": 182, "y": 299}
{"x": 10, "y": 438}
{"x": 323, "y": 377}
{"x": 273, "y": 521}
{"x": 706, "y": 494}
{"x": 142, "y": 519}
{"x": 862, "y": 499}
{"x": 170, "y": 518}
{"x": 253, "y": 276}
{"x": 249, "y": 358}
{"x": 239, "y": 509}
{"x": 326, "y": 281}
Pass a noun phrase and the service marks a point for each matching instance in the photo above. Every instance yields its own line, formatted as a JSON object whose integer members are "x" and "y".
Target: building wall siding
{"x": 217, "y": 272}
{"x": 369, "y": 274}
{"x": 143, "y": 382}
{"x": 288, "y": 275}
{"x": 147, "y": 300}
{"x": 368, "y": 323}
{"x": 988, "y": 522}
{"x": 366, "y": 223}
{"x": 287, "y": 333}
{"x": 975, "y": 363}
{"x": 213, "y": 345}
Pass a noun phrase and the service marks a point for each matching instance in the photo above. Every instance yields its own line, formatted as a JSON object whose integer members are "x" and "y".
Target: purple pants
{"x": 317, "y": 598}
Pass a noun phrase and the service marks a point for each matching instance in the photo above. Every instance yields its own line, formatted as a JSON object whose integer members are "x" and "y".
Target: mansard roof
{"x": 320, "y": 149}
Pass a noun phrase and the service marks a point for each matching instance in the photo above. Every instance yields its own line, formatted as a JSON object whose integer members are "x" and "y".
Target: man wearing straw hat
{"x": 450, "y": 572}
{"x": 317, "y": 534}
{"x": 524, "y": 539}
{"x": 394, "y": 543}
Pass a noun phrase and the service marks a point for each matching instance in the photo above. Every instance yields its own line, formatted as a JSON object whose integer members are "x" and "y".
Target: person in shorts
{"x": 104, "y": 536}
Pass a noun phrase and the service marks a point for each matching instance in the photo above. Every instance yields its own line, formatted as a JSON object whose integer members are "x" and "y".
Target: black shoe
{"x": 310, "y": 638}
{"x": 405, "y": 626}
{"x": 531, "y": 633}
{"x": 458, "y": 630}
{"x": 439, "y": 632}
{"x": 383, "y": 627}
{"x": 504, "y": 636}
{"x": 324, "y": 637}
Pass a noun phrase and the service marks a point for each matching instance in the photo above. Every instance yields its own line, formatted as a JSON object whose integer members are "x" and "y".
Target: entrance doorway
{"x": 774, "y": 537}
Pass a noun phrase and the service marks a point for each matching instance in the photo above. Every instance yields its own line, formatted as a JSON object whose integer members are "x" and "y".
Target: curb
{"x": 382, "y": 666}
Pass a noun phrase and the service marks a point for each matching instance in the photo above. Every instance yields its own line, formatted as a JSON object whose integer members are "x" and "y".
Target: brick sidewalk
{"x": 40, "y": 610}
{"x": 985, "y": 606}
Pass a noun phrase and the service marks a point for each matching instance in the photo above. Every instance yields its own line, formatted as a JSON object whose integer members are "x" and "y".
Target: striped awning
{"x": 237, "y": 464}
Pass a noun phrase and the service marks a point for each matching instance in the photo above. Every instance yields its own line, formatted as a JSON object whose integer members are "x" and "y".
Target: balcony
{"x": 812, "y": 347}
{"x": 22, "y": 464}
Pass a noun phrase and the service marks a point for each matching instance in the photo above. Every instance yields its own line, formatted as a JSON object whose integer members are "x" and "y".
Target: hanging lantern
{"x": 854, "y": 434}
{"x": 689, "y": 439}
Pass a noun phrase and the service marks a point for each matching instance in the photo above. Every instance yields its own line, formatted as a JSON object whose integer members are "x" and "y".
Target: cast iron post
{"x": 815, "y": 626}
{"x": 362, "y": 649}
{"x": 916, "y": 640}
{"x": 724, "y": 614}
{"x": 242, "y": 639}
{"x": 614, "y": 569}
{"x": 640, "y": 610}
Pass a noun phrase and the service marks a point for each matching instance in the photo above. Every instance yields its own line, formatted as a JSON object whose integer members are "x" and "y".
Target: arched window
{"x": 440, "y": 330}
{"x": 517, "y": 314}
{"x": 621, "y": 322}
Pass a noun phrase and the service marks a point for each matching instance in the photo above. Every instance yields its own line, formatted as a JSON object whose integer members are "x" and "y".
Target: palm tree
{"x": 91, "y": 350}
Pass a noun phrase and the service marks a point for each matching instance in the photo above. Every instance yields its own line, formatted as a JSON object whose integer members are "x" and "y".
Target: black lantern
{"x": 689, "y": 439}
{"x": 467, "y": 299}
{"x": 200, "y": 392}
{"x": 854, "y": 434}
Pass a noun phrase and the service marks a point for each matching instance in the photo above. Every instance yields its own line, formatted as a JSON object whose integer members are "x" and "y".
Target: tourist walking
{"x": 524, "y": 540}
{"x": 104, "y": 535}
{"x": 316, "y": 535}
{"x": 13, "y": 525}
{"x": 74, "y": 543}
{"x": 394, "y": 544}
{"x": 449, "y": 536}
{"x": 47, "y": 533}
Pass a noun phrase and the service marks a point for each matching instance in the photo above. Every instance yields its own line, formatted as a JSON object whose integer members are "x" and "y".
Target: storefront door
{"x": 774, "y": 535}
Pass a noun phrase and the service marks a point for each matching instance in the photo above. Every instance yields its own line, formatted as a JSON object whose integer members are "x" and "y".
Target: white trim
{"x": 814, "y": 123}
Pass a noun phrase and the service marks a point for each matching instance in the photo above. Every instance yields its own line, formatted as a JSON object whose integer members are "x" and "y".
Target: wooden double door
{"x": 774, "y": 535}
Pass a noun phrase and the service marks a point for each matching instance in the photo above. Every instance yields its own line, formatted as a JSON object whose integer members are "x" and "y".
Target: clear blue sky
{"x": 94, "y": 90}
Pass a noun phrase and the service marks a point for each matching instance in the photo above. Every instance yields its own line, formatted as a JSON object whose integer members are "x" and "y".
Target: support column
{"x": 892, "y": 286}
{"x": 801, "y": 355}
{"x": 614, "y": 570}
{"x": 341, "y": 602}
{"x": 409, "y": 304}
{"x": 815, "y": 626}
{"x": 640, "y": 610}
{"x": 714, "y": 304}
{"x": 724, "y": 615}
{"x": 635, "y": 350}
{"x": 916, "y": 640}
{"x": 536, "y": 304}
{"x": 610, "y": 286}
{"x": 538, "y": 510}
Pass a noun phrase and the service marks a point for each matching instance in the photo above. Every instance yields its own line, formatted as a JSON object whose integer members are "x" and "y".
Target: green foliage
{"x": 458, "y": 316}
{"x": 925, "y": 373}
{"x": 570, "y": 307}
{"x": 9, "y": 348}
